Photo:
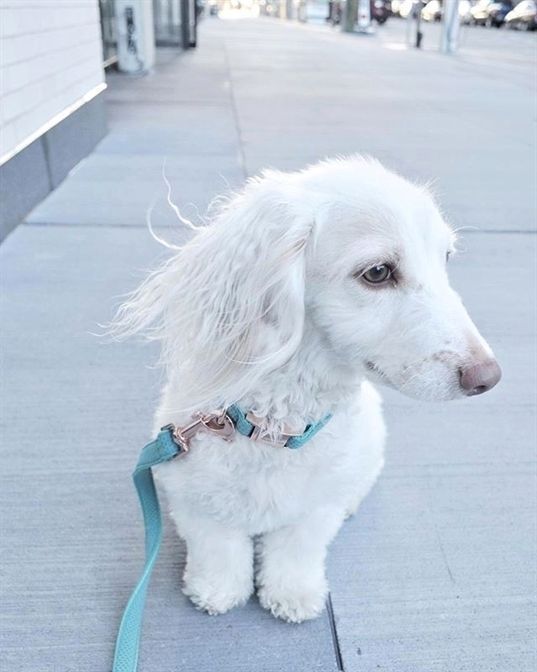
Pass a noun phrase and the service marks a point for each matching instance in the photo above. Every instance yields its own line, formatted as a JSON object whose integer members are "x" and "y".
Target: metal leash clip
{"x": 218, "y": 423}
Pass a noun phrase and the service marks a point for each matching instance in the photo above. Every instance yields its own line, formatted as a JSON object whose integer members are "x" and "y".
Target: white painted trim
{"x": 56, "y": 119}
{"x": 110, "y": 61}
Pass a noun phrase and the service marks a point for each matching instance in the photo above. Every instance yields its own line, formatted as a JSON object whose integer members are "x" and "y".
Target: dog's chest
{"x": 257, "y": 486}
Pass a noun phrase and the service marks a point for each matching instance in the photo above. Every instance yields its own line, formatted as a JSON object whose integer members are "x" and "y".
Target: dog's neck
{"x": 310, "y": 385}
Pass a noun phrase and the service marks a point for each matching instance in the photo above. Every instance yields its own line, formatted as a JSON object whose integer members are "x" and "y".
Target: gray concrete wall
{"x": 35, "y": 171}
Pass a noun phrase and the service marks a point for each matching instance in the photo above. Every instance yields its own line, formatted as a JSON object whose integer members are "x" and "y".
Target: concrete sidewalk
{"x": 437, "y": 572}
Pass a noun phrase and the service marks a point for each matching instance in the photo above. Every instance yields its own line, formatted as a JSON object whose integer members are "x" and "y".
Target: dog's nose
{"x": 480, "y": 377}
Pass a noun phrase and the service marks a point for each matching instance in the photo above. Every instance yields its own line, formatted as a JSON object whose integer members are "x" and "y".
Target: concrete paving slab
{"x": 177, "y": 115}
{"x": 432, "y": 574}
{"x": 118, "y": 190}
{"x": 155, "y": 121}
{"x": 132, "y": 201}
{"x": 417, "y": 111}
{"x": 131, "y": 212}
{"x": 75, "y": 412}
{"x": 211, "y": 89}
{"x": 164, "y": 141}
{"x": 203, "y": 169}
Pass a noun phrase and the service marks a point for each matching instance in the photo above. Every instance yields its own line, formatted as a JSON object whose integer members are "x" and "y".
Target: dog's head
{"x": 344, "y": 248}
{"x": 379, "y": 288}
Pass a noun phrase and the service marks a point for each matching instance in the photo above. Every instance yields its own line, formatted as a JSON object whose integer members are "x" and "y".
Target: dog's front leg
{"x": 291, "y": 576}
{"x": 219, "y": 567}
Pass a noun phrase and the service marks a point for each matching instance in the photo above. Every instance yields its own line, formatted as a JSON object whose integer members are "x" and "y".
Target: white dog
{"x": 304, "y": 288}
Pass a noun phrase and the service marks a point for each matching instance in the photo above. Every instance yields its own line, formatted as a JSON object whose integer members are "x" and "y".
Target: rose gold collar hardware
{"x": 218, "y": 423}
{"x": 260, "y": 432}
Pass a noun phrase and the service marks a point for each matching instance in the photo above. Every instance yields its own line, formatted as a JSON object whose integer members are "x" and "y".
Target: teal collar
{"x": 225, "y": 423}
{"x": 248, "y": 425}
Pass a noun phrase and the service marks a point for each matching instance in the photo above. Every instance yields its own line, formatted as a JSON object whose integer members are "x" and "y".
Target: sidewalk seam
{"x": 503, "y": 232}
{"x": 334, "y": 633}
{"x": 235, "y": 113}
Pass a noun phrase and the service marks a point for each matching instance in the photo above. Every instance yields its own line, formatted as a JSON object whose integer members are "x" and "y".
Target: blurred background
{"x": 291, "y": 81}
{"x": 101, "y": 104}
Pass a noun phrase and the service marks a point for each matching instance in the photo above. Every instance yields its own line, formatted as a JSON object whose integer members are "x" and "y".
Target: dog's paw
{"x": 218, "y": 597}
{"x": 294, "y": 603}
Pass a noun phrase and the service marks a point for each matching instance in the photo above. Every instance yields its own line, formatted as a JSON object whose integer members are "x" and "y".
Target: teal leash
{"x": 170, "y": 443}
{"x": 161, "y": 450}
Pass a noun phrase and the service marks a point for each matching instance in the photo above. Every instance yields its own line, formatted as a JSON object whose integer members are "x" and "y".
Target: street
{"x": 436, "y": 573}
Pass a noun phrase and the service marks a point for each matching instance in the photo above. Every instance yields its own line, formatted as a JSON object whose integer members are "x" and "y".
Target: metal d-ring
{"x": 219, "y": 423}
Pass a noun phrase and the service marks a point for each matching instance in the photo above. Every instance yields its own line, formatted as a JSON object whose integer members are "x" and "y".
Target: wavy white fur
{"x": 267, "y": 307}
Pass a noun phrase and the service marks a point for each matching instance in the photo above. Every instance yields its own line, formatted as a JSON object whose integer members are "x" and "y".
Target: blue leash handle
{"x": 163, "y": 449}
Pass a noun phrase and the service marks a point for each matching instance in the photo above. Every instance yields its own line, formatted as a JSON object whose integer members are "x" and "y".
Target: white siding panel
{"x": 8, "y": 134}
{"x": 41, "y": 18}
{"x": 51, "y": 56}
{"x": 26, "y": 47}
{"x": 27, "y": 123}
{"x": 51, "y": 72}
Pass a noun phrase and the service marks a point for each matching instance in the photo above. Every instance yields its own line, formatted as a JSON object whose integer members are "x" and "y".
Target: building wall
{"x": 50, "y": 58}
{"x": 52, "y": 111}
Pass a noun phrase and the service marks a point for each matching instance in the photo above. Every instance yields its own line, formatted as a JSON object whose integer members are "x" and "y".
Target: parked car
{"x": 405, "y": 8}
{"x": 465, "y": 8}
{"x": 479, "y": 12}
{"x": 380, "y": 10}
{"x": 523, "y": 16}
{"x": 432, "y": 11}
{"x": 497, "y": 11}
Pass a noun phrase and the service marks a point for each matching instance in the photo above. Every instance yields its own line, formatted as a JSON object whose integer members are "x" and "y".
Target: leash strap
{"x": 162, "y": 449}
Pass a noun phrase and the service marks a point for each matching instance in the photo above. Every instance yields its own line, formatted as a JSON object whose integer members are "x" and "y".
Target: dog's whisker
{"x": 172, "y": 205}
{"x": 153, "y": 234}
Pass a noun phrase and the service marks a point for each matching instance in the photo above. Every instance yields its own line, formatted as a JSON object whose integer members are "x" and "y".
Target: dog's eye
{"x": 377, "y": 275}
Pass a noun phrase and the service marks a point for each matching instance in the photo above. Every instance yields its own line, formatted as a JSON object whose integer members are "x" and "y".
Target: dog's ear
{"x": 229, "y": 306}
